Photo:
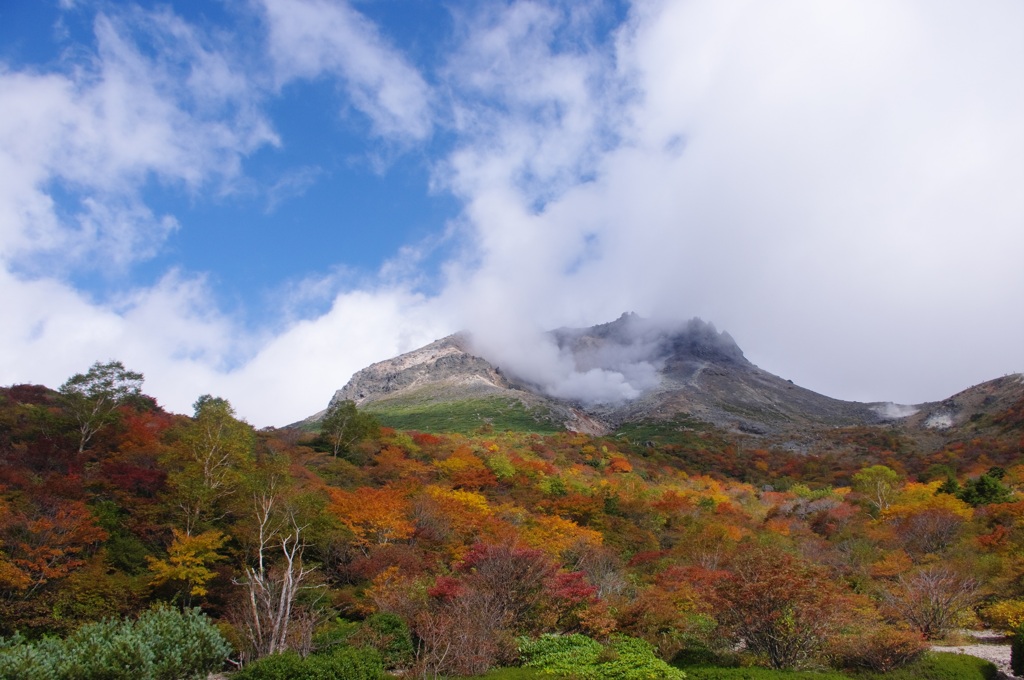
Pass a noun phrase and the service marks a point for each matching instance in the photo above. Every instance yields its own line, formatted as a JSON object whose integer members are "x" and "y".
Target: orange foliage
{"x": 466, "y": 470}
{"x": 619, "y": 464}
{"x": 374, "y": 516}
{"x": 49, "y": 546}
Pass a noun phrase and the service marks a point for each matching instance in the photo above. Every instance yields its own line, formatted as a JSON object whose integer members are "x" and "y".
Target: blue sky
{"x": 255, "y": 198}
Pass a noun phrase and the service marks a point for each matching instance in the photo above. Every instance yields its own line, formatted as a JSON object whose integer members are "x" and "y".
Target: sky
{"x": 256, "y": 198}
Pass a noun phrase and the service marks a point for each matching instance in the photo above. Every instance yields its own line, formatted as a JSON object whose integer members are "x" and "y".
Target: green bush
{"x": 184, "y": 644}
{"x": 349, "y": 663}
{"x": 108, "y": 650}
{"x": 932, "y": 666}
{"x": 164, "y": 644}
{"x": 1017, "y": 650}
{"x": 760, "y": 674}
{"x": 389, "y": 635}
{"x": 559, "y": 653}
{"x": 23, "y": 661}
{"x": 578, "y": 656}
{"x": 284, "y": 666}
{"x": 629, "y": 658}
{"x": 940, "y": 666}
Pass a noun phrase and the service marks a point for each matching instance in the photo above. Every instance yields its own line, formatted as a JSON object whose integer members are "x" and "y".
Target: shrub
{"x": 184, "y": 644}
{"x": 350, "y": 663}
{"x": 631, "y": 659}
{"x": 880, "y": 648}
{"x": 390, "y": 636}
{"x": 108, "y": 650}
{"x": 1017, "y": 650}
{"x": 941, "y": 666}
{"x": 559, "y": 654}
{"x": 22, "y": 661}
{"x": 284, "y": 666}
{"x": 164, "y": 644}
{"x": 342, "y": 662}
{"x": 578, "y": 656}
{"x": 1005, "y": 615}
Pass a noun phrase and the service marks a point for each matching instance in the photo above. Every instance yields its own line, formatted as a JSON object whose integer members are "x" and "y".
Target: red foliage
{"x": 426, "y": 439}
{"x": 572, "y": 588}
{"x": 135, "y": 480}
{"x": 446, "y": 588}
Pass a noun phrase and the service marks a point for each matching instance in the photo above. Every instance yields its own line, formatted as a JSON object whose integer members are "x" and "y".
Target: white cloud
{"x": 311, "y": 37}
{"x": 295, "y": 374}
{"x": 837, "y": 186}
{"x": 100, "y": 131}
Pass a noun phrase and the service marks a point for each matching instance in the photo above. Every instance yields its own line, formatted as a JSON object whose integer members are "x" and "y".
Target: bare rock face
{"x": 445, "y": 366}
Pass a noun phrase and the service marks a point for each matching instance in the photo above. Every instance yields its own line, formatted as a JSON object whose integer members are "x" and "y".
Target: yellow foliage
{"x": 922, "y": 497}
{"x": 555, "y": 535}
{"x": 461, "y": 460}
{"x": 188, "y": 560}
{"x": 917, "y": 492}
{"x": 470, "y": 501}
{"x": 1005, "y": 615}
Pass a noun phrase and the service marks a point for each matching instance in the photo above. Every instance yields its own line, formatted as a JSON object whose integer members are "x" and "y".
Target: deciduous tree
{"x": 343, "y": 425}
{"x": 92, "y": 397}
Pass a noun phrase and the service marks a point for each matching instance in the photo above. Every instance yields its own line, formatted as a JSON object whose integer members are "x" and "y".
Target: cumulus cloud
{"x": 837, "y": 179}
{"x": 838, "y": 187}
{"x": 99, "y": 132}
{"x": 309, "y": 38}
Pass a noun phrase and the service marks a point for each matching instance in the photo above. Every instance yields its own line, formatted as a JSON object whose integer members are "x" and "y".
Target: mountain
{"x": 665, "y": 374}
{"x": 640, "y": 376}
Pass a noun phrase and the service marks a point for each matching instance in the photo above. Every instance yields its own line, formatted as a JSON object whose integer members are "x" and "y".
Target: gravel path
{"x": 988, "y": 645}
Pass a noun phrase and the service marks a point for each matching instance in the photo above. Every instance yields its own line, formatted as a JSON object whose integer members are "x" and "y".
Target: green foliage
{"x": 985, "y": 489}
{"x": 1017, "y": 650}
{"x": 939, "y": 666}
{"x": 343, "y": 662}
{"x": 933, "y": 666}
{"x": 92, "y": 398}
{"x": 390, "y": 636}
{"x": 20, "y": 660}
{"x": 185, "y": 644}
{"x": 163, "y": 644}
{"x": 284, "y": 666}
{"x": 760, "y": 674}
{"x": 343, "y": 425}
{"x": 578, "y": 656}
{"x": 467, "y": 416}
{"x": 559, "y": 653}
{"x": 514, "y": 673}
{"x": 878, "y": 484}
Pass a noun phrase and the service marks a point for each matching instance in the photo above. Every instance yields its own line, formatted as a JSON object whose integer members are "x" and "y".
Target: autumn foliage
{"x": 468, "y": 545}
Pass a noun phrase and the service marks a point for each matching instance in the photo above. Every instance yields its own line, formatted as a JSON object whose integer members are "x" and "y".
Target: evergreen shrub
{"x": 350, "y": 663}
{"x": 163, "y": 644}
{"x": 578, "y": 656}
{"x": 1017, "y": 650}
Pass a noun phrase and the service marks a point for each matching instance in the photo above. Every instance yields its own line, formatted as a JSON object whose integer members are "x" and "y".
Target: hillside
{"x": 656, "y": 543}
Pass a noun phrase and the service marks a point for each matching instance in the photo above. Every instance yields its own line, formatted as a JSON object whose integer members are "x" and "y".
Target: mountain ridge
{"x": 666, "y": 371}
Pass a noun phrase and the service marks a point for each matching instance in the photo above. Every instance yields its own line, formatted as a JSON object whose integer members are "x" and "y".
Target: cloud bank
{"x": 837, "y": 186}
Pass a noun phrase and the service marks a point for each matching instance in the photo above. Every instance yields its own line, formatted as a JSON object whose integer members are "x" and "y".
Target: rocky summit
{"x": 630, "y": 371}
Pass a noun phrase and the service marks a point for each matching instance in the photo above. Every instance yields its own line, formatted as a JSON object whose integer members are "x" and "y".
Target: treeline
{"x": 453, "y": 554}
